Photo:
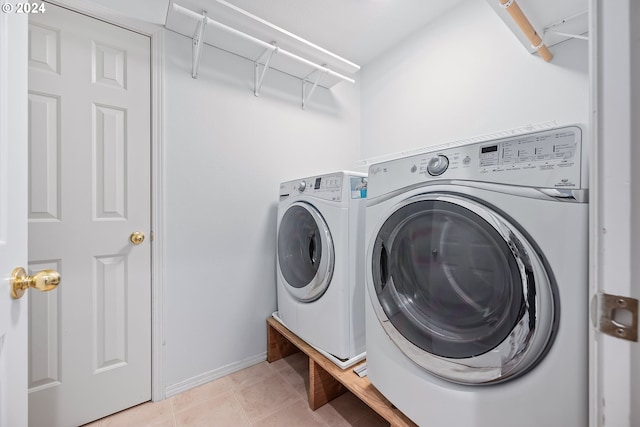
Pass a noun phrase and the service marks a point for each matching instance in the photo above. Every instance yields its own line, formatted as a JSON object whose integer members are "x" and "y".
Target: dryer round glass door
{"x": 460, "y": 290}
{"x": 305, "y": 252}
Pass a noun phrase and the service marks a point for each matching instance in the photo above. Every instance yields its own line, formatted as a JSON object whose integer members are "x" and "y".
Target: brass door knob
{"x": 136, "y": 237}
{"x": 44, "y": 281}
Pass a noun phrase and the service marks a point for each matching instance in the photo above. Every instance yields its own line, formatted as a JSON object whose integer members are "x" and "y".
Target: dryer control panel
{"x": 333, "y": 187}
{"x": 545, "y": 159}
{"x": 328, "y": 187}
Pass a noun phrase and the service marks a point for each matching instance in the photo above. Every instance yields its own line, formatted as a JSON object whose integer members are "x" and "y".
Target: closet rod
{"x": 199, "y": 17}
{"x": 523, "y": 22}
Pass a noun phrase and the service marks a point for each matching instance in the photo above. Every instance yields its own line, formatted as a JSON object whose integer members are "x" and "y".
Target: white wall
{"x": 225, "y": 153}
{"x": 467, "y": 75}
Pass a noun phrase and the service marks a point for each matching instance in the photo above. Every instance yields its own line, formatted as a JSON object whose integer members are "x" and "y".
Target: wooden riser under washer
{"x": 326, "y": 380}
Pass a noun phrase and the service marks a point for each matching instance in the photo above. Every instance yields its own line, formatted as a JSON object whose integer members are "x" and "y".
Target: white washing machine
{"x": 320, "y": 251}
{"x": 476, "y": 275}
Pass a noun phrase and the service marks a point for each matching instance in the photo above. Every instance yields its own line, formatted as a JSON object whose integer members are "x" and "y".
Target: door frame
{"x": 156, "y": 36}
{"x": 614, "y": 128}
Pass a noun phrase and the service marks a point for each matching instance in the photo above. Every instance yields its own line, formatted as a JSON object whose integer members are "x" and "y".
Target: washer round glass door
{"x": 460, "y": 290}
{"x": 305, "y": 252}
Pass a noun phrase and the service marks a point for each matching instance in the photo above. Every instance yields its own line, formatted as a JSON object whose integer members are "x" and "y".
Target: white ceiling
{"x": 357, "y": 30}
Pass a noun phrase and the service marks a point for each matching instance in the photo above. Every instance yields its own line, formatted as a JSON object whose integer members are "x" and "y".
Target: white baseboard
{"x": 206, "y": 377}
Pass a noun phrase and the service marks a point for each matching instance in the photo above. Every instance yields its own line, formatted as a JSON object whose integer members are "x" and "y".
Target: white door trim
{"x": 594, "y": 379}
{"x": 156, "y": 34}
{"x": 613, "y": 195}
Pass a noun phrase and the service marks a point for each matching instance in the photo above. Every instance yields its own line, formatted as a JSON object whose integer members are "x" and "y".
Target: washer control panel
{"x": 328, "y": 187}
{"x": 550, "y": 150}
{"x": 437, "y": 165}
{"x": 544, "y": 159}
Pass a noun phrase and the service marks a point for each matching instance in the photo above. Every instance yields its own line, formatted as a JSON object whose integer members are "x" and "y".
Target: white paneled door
{"x": 89, "y": 192}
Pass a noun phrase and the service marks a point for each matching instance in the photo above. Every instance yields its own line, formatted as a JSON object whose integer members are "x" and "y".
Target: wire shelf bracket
{"x": 196, "y": 47}
{"x": 258, "y": 77}
{"x": 551, "y": 28}
{"x": 307, "y": 97}
{"x": 263, "y": 63}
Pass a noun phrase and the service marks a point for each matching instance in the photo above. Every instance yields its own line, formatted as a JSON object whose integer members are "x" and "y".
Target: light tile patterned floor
{"x": 264, "y": 395}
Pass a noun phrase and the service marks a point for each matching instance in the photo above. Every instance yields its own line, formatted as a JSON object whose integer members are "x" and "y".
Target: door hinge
{"x": 615, "y": 315}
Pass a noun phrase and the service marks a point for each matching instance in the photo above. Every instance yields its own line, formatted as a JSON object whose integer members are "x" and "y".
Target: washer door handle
{"x": 312, "y": 249}
{"x": 384, "y": 266}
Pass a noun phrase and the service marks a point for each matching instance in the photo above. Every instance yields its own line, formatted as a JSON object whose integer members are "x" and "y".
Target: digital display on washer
{"x": 316, "y": 186}
{"x": 489, "y": 149}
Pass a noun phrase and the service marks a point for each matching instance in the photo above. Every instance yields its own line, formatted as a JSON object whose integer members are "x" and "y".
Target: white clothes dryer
{"x": 476, "y": 275}
{"x": 320, "y": 251}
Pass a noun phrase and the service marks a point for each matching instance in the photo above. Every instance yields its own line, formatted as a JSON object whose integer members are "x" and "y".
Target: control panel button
{"x": 437, "y": 165}
{"x": 302, "y": 186}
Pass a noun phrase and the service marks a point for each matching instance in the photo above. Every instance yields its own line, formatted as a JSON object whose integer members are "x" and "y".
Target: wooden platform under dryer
{"x": 326, "y": 380}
